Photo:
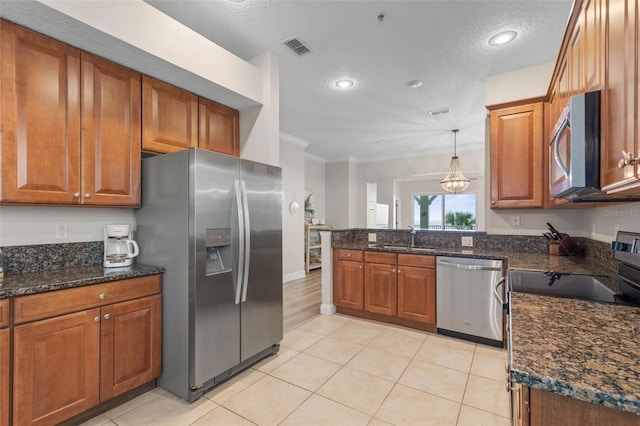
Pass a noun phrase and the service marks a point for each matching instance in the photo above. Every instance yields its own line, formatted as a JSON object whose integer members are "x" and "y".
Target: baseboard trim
{"x": 293, "y": 276}
{"x": 326, "y": 309}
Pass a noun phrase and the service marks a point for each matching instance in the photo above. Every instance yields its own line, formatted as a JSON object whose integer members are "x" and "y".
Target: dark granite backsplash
{"x": 596, "y": 251}
{"x": 42, "y": 257}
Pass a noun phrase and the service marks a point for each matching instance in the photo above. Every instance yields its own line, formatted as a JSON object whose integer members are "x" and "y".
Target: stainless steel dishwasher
{"x": 469, "y": 302}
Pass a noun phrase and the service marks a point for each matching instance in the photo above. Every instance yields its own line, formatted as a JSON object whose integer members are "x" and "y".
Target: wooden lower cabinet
{"x": 4, "y": 376}
{"x": 417, "y": 294}
{"x": 68, "y": 363}
{"x": 536, "y": 407}
{"x": 395, "y": 288}
{"x": 380, "y": 289}
{"x": 348, "y": 278}
{"x": 130, "y": 345}
{"x": 56, "y": 368}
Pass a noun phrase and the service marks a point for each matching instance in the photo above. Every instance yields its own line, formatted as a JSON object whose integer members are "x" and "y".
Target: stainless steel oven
{"x": 574, "y": 149}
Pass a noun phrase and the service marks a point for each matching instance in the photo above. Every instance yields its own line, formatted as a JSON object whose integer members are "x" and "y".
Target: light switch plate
{"x": 467, "y": 241}
{"x": 372, "y": 237}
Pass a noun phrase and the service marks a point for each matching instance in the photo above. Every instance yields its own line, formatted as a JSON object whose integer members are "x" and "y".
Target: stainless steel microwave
{"x": 574, "y": 149}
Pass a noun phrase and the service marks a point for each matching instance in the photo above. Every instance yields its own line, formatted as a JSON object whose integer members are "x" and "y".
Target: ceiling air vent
{"x": 441, "y": 111}
{"x": 296, "y": 46}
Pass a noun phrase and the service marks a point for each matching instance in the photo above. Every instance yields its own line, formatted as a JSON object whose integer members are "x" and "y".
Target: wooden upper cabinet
{"x": 593, "y": 42}
{"x": 169, "y": 117}
{"x": 40, "y": 120}
{"x": 56, "y": 368}
{"x": 620, "y": 98}
{"x": 517, "y": 150}
{"x": 110, "y": 133}
{"x": 218, "y": 128}
{"x": 576, "y": 60}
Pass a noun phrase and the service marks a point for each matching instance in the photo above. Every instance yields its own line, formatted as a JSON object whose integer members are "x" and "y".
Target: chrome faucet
{"x": 413, "y": 236}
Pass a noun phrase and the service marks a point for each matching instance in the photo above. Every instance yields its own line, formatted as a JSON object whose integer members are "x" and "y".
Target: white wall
{"x": 524, "y": 83}
{"x": 292, "y": 163}
{"x": 337, "y": 188}
{"x": 314, "y": 182}
{"x": 601, "y": 223}
{"x": 28, "y": 225}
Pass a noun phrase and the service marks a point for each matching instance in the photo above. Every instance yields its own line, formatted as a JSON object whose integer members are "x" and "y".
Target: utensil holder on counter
{"x": 565, "y": 247}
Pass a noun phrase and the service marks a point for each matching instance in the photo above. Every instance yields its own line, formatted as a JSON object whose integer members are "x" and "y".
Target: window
{"x": 450, "y": 212}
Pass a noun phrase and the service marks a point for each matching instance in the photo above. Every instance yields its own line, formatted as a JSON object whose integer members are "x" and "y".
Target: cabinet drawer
{"x": 380, "y": 257}
{"x": 4, "y": 313}
{"x": 45, "y": 305}
{"x": 417, "y": 260}
{"x": 343, "y": 254}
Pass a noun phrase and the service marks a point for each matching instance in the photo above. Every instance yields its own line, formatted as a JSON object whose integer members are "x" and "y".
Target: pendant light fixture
{"x": 455, "y": 181}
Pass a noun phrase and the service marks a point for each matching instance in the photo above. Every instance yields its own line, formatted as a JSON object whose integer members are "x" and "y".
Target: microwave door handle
{"x": 556, "y": 147}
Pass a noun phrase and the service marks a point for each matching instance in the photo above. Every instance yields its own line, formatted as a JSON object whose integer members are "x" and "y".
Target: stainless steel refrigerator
{"x": 215, "y": 223}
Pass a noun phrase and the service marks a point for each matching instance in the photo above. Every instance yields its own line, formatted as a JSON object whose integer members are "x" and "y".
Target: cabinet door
{"x": 593, "y": 36}
{"x": 56, "y": 368}
{"x": 4, "y": 377}
{"x": 381, "y": 289}
{"x": 130, "y": 351}
{"x": 110, "y": 133}
{"x": 40, "y": 120}
{"x": 348, "y": 287}
{"x": 219, "y": 128}
{"x": 169, "y": 117}
{"x": 417, "y": 294}
{"x": 619, "y": 113}
{"x": 516, "y": 156}
{"x": 576, "y": 60}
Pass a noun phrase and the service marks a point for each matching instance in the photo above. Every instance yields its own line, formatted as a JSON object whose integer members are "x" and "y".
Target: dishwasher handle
{"x": 470, "y": 267}
{"x": 495, "y": 292}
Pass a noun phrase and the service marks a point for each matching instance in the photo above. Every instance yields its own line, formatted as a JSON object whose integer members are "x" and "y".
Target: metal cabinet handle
{"x": 348, "y": 254}
{"x": 626, "y": 160}
{"x": 76, "y": 195}
{"x": 87, "y": 195}
{"x": 96, "y": 319}
{"x": 107, "y": 316}
{"x": 360, "y": 266}
{"x": 393, "y": 270}
{"x": 102, "y": 296}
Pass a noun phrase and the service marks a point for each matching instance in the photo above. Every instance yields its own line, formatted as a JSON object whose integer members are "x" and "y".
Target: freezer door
{"x": 261, "y": 317}
{"x": 216, "y": 316}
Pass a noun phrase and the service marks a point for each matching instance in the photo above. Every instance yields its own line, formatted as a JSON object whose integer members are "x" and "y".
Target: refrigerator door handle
{"x": 247, "y": 236}
{"x": 241, "y": 239}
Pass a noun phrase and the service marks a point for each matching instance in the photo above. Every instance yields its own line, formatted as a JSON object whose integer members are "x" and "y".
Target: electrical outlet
{"x": 61, "y": 231}
{"x": 372, "y": 237}
{"x": 467, "y": 241}
{"x": 515, "y": 220}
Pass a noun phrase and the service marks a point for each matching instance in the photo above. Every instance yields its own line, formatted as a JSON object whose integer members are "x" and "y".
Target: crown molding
{"x": 294, "y": 140}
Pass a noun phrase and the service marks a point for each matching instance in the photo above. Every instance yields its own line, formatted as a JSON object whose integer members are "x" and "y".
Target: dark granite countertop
{"x": 585, "y": 350}
{"x": 39, "y": 282}
{"x": 516, "y": 260}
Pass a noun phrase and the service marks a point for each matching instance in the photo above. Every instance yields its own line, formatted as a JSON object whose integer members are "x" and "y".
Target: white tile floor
{"x": 337, "y": 370}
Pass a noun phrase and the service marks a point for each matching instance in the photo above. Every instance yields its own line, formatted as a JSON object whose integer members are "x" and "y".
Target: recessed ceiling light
{"x": 414, "y": 84}
{"x": 344, "y": 84}
{"x": 503, "y": 37}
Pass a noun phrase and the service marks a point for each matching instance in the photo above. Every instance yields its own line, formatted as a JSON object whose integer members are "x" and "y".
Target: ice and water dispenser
{"x": 218, "y": 251}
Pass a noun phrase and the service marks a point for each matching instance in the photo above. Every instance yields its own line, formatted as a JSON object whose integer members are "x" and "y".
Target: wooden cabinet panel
{"x": 4, "y": 313}
{"x": 417, "y": 294}
{"x": 49, "y": 304}
{"x": 593, "y": 51}
{"x": 516, "y": 156}
{"x": 56, "y": 368}
{"x": 344, "y": 254}
{"x": 40, "y": 121}
{"x": 4, "y": 377}
{"x": 576, "y": 60}
{"x": 348, "y": 284}
{"x": 169, "y": 117}
{"x": 110, "y": 133}
{"x": 218, "y": 128}
{"x": 381, "y": 288}
{"x": 130, "y": 345}
{"x": 380, "y": 257}
{"x": 419, "y": 260}
{"x": 619, "y": 109}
